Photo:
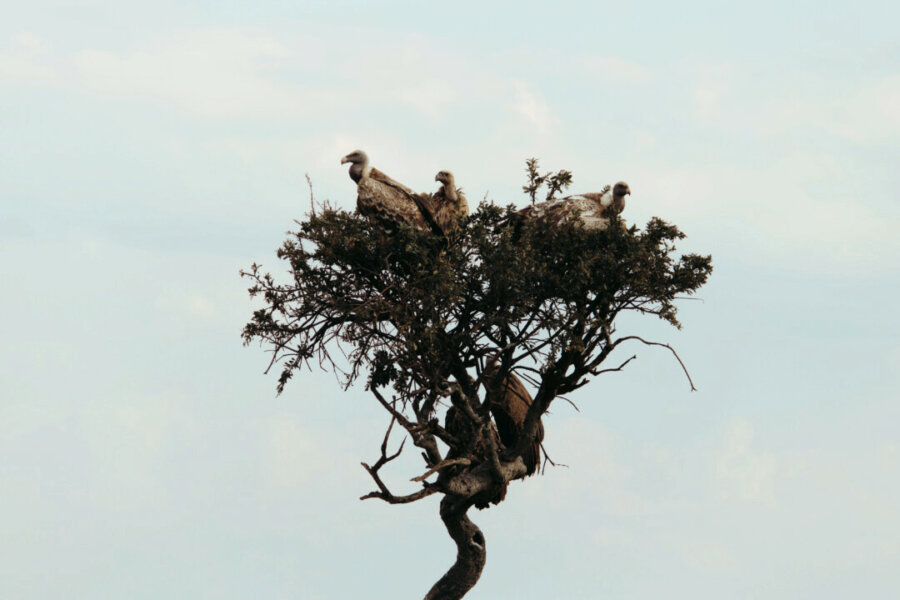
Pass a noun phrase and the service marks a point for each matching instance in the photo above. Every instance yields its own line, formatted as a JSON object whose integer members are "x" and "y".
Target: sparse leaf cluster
{"x": 555, "y": 182}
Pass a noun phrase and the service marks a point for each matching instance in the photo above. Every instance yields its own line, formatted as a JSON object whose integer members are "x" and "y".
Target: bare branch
{"x": 384, "y": 493}
{"x": 420, "y": 433}
{"x": 547, "y": 459}
{"x": 391, "y": 499}
{"x": 312, "y": 198}
{"x": 612, "y": 370}
{"x": 447, "y": 462}
{"x": 670, "y": 348}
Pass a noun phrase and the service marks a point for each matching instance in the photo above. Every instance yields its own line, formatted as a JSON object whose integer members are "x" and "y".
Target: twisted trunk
{"x": 470, "y": 555}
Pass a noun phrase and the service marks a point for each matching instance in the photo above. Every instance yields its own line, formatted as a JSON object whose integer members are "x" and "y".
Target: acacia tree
{"x": 432, "y": 322}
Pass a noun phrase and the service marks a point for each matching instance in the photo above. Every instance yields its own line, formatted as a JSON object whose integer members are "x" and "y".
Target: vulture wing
{"x": 389, "y": 203}
{"x": 448, "y": 211}
{"x": 585, "y": 208}
{"x": 380, "y": 176}
{"x": 509, "y": 406}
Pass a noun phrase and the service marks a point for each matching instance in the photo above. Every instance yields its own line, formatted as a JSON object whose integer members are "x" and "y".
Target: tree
{"x": 434, "y": 323}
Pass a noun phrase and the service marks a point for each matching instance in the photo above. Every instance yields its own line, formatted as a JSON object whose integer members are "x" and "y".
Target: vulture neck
{"x": 359, "y": 171}
{"x": 450, "y": 190}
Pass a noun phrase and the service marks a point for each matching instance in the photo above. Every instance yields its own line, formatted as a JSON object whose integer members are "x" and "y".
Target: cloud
{"x": 616, "y": 70}
{"x": 708, "y": 556}
{"x": 292, "y": 456}
{"x": 245, "y": 72}
{"x": 532, "y": 107}
{"x": 862, "y": 112}
{"x": 26, "y": 59}
{"x": 741, "y": 471}
{"x": 789, "y": 218}
{"x": 214, "y": 73}
{"x": 708, "y": 100}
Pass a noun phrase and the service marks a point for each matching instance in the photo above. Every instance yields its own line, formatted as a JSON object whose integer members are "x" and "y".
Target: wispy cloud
{"x": 215, "y": 73}
{"x": 744, "y": 472}
{"x": 532, "y": 107}
{"x": 611, "y": 69}
{"x": 27, "y": 58}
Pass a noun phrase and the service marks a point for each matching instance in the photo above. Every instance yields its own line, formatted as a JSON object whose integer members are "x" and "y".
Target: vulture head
{"x": 620, "y": 190}
{"x": 445, "y": 177}
{"x": 360, "y": 164}
{"x": 450, "y": 193}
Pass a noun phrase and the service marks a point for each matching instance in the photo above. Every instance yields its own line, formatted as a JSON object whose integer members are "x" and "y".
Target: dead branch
{"x": 312, "y": 198}
{"x": 547, "y": 459}
{"x": 614, "y": 369}
{"x": 670, "y": 348}
{"x": 420, "y": 437}
{"x": 447, "y": 462}
{"x": 384, "y": 493}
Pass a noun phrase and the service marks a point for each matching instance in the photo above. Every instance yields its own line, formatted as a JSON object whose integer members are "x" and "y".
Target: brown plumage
{"x": 593, "y": 209}
{"x": 478, "y": 447}
{"x": 449, "y": 205}
{"x": 509, "y": 406}
{"x": 382, "y": 199}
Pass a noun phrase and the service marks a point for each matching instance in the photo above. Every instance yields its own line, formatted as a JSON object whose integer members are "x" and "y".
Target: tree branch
{"x": 667, "y": 346}
{"x": 384, "y": 493}
{"x": 447, "y": 462}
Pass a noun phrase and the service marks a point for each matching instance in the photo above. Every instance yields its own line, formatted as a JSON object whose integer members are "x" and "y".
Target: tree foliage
{"x": 420, "y": 317}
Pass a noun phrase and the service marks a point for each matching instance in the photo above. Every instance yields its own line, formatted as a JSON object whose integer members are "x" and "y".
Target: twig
{"x": 547, "y": 459}
{"x": 442, "y": 465}
{"x": 619, "y": 368}
{"x": 384, "y": 493}
{"x": 391, "y": 499}
{"x": 312, "y": 199}
{"x": 670, "y": 348}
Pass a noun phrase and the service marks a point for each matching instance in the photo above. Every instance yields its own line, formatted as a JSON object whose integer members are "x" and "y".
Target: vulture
{"x": 449, "y": 205}
{"x": 380, "y": 198}
{"x": 594, "y": 209}
{"x": 509, "y": 406}
{"x": 474, "y": 446}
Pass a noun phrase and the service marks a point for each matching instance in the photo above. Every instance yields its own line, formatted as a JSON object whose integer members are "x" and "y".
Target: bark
{"x": 483, "y": 478}
{"x": 470, "y": 556}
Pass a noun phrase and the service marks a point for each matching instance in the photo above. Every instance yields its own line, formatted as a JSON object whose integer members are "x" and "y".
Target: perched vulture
{"x": 594, "y": 209}
{"x": 474, "y": 446}
{"x": 509, "y": 405}
{"x": 449, "y": 205}
{"x": 382, "y": 199}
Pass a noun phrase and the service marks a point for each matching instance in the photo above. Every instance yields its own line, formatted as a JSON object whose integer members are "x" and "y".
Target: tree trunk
{"x": 470, "y": 555}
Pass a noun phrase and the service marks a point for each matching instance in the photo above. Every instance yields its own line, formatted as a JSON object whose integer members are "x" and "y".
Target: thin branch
{"x": 612, "y": 370}
{"x": 420, "y": 435}
{"x": 547, "y": 459}
{"x": 312, "y": 198}
{"x": 670, "y": 348}
{"x": 384, "y": 493}
{"x": 391, "y": 499}
{"x": 449, "y": 462}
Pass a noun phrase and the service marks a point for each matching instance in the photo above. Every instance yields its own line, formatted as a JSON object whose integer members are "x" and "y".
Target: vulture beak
{"x": 437, "y": 177}
{"x": 346, "y": 159}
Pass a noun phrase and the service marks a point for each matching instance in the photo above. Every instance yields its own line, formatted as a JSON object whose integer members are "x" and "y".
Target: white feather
{"x": 607, "y": 198}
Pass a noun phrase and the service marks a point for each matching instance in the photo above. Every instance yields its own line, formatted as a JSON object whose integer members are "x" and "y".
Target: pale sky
{"x": 148, "y": 151}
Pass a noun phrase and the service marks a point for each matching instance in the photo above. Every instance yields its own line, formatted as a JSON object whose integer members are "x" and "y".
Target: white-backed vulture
{"x": 449, "y": 204}
{"x": 509, "y": 405}
{"x": 382, "y": 199}
{"x": 593, "y": 209}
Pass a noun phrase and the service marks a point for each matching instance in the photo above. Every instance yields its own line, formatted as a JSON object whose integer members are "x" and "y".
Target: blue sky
{"x": 149, "y": 151}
